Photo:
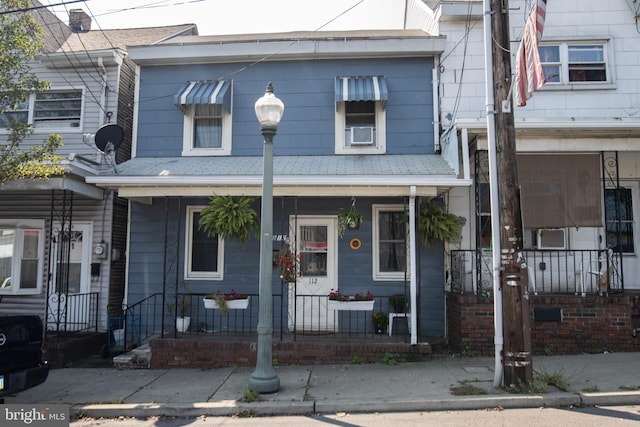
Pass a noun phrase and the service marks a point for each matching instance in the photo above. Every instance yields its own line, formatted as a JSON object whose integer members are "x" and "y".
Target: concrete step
{"x": 138, "y": 358}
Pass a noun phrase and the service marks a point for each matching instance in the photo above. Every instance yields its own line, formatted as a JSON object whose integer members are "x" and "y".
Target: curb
{"x": 268, "y": 408}
{"x": 610, "y": 398}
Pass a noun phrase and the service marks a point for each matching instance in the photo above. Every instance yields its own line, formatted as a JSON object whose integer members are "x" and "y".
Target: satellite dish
{"x": 109, "y": 137}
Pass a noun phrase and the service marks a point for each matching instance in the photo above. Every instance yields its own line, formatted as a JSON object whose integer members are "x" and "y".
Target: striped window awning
{"x": 212, "y": 92}
{"x": 358, "y": 88}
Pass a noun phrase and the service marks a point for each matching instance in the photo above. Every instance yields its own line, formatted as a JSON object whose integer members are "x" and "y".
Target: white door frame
{"x": 311, "y": 312}
{"x": 77, "y": 314}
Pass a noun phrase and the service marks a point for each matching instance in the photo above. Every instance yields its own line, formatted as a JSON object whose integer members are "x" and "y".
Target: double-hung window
{"x": 204, "y": 254}
{"x": 575, "y": 63}
{"x": 207, "y": 117}
{"x": 360, "y": 115}
{"x": 21, "y": 256}
{"x": 390, "y": 243}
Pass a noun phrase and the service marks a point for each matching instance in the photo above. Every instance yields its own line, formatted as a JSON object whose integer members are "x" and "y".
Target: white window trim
{"x": 564, "y": 83}
{"x": 187, "y": 141}
{"x": 20, "y": 226}
{"x": 377, "y": 274}
{"x": 381, "y": 132}
{"x": 195, "y": 275}
{"x": 31, "y": 105}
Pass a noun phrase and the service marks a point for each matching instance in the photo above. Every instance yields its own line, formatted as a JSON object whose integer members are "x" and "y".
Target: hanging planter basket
{"x": 349, "y": 219}
{"x": 230, "y": 216}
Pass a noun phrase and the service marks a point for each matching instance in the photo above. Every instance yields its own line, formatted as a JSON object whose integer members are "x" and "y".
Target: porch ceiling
{"x": 387, "y": 175}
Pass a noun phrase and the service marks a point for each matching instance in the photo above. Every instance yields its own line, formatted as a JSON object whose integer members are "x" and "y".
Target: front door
{"x": 314, "y": 238}
{"x": 71, "y": 260}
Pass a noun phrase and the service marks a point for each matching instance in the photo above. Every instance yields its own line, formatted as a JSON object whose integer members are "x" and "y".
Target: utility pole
{"x": 516, "y": 357}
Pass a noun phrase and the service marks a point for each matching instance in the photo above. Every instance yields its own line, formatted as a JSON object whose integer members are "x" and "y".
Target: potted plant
{"x": 230, "y": 216}
{"x": 288, "y": 264}
{"x": 357, "y": 302}
{"x": 436, "y": 224}
{"x": 380, "y": 322}
{"x": 349, "y": 219}
{"x": 225, "y": 302}
{"x": 183, "y": 302}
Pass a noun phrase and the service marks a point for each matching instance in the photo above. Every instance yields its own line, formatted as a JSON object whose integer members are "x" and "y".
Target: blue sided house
{"x": 359, "y": 133}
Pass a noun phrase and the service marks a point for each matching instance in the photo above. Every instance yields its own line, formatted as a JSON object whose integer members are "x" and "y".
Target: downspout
{"x": 498, "y": 338}
{"x": 435, "y": 82}
{"x": 414, "y": 271}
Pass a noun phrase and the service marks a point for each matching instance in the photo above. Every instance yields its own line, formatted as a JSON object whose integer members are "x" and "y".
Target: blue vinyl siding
{"x": 306, "y": 88}
{"x": 241, "y": 262}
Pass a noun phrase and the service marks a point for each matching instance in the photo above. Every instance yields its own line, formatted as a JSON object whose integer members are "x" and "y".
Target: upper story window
{"x": 19, "y": 113}
{"x": 574, "y": 63}
{"x": 58, "y": 109}
{"x": 360, "y": 115}
{"x": 21, "y": 256}
{"x": 204, "y": 255}
{"x": 54, "y": 109}
{"x": 207, "y": 117}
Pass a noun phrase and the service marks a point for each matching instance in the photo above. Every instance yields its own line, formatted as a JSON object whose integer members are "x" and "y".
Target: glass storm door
{"x": 71, "y": 258}
{"x": 315, "y": 242}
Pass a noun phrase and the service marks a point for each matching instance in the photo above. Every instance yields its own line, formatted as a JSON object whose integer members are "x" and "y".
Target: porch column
{"x": 414, "y": 270}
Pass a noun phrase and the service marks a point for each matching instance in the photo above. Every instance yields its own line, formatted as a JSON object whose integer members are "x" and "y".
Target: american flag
{"x": 529, "y": 76}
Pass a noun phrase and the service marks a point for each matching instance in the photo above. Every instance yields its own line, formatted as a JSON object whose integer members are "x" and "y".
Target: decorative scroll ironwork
{"x": 60, "y": 222}
{"x": 611, "y": 181}
{"x": 483, "y": 275}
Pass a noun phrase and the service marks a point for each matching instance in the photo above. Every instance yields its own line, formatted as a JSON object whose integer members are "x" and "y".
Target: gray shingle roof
{"x": 364, "y": 165}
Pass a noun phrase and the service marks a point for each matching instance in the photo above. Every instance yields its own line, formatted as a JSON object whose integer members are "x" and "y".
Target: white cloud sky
{"x": 241, "y": 16}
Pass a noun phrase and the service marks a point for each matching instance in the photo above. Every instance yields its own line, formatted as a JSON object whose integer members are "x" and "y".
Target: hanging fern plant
{"x": 436, "y": 224}
{"x": 230, "y": 216}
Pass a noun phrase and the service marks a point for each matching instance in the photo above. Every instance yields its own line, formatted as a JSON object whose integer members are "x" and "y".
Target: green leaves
{"x": 436, "y": 224}
{"x": 230, "y": 216}
{"x": 21, "y": 40}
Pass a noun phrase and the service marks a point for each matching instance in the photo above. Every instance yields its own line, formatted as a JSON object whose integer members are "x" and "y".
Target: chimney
{"x": 79, "y": 21}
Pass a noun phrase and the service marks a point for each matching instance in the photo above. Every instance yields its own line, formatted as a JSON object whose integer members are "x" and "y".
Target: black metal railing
{"x": 72, "y": 313}
{"x": 292, "y": 316}
{"x": 578, "y": 272}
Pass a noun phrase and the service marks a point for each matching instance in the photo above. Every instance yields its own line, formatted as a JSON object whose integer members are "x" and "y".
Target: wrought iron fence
{"x": 578, "y": 272}
{"x": 72, "y": 313}
{"x": 292, "y": 316}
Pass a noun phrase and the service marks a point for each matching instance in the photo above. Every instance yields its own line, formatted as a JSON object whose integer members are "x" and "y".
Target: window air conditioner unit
{"x": 552, "y": 238}
{"x": 362, "y": 135}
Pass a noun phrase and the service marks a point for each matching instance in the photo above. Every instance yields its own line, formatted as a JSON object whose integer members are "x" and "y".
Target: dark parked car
{"x": 21, "y": 358}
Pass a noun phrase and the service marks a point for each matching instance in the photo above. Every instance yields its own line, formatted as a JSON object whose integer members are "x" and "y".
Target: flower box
{"x": 234, "y": 304}
{"x": 351, "y": 305}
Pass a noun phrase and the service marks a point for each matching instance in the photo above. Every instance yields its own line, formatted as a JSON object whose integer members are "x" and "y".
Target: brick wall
{"x": 587, "y": 324}
{"x": 212, "y": 352}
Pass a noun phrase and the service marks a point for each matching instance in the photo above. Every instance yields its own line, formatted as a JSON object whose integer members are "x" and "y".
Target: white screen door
{"x": 315, "y": 239}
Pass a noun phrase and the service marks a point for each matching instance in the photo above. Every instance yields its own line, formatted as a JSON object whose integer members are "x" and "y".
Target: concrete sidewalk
{"x": 601, "y": 379}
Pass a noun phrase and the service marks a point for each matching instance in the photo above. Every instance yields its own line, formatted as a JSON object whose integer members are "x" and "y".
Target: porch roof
{"x": 293, "y": 176}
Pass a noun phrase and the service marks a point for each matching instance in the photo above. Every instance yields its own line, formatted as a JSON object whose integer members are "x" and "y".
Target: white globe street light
{"x": 269, "y": 110}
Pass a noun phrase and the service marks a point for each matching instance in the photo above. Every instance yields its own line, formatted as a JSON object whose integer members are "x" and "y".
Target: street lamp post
{"x": 264, "y": 379}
